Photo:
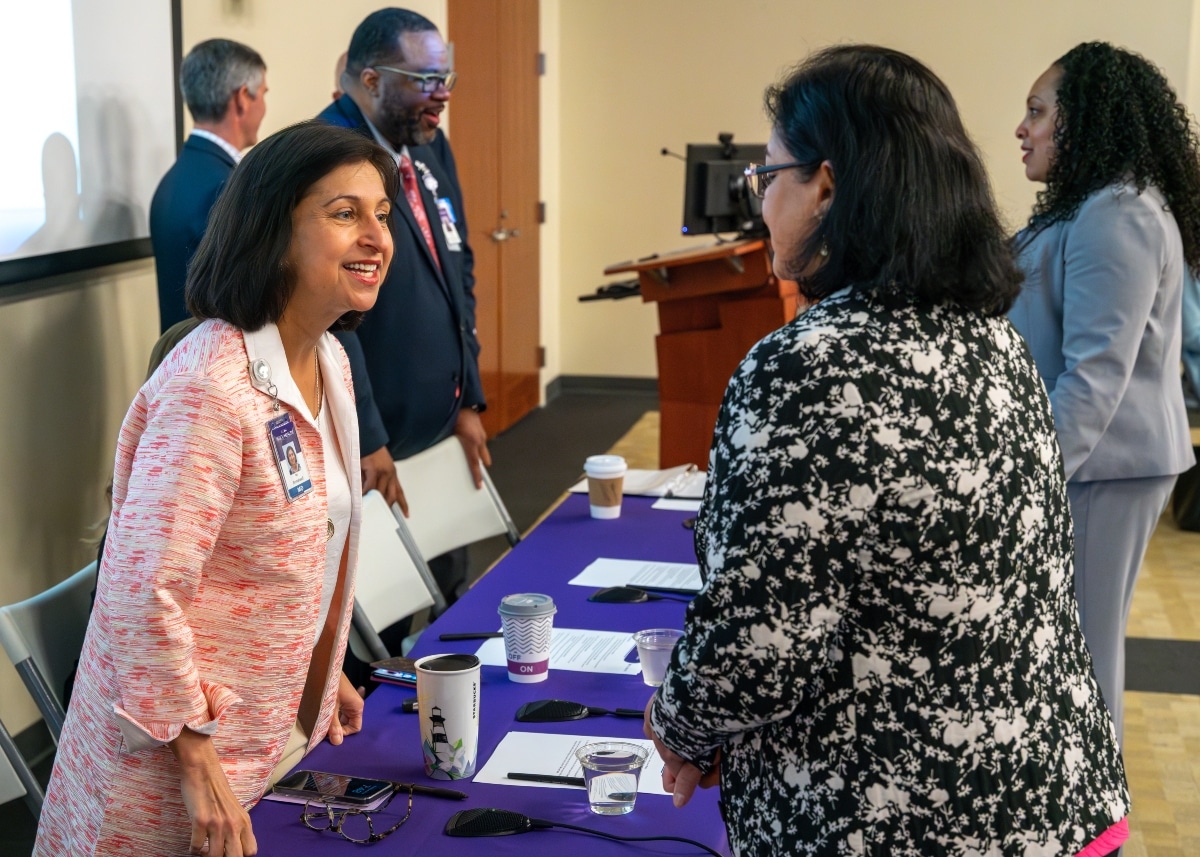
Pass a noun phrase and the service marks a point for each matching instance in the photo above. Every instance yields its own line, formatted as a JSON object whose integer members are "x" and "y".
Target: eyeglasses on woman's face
{"x": 760, "y": 176}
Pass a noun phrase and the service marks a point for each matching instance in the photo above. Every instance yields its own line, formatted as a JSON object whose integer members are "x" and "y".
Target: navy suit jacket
{"x": 418, "y": 343}
{"x": 179, "y": 216}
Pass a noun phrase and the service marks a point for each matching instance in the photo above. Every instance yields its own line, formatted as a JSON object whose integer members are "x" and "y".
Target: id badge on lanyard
{"x": 285, "y": 440}
{"x": 449, "y": 227}
{"x": 293, "y": 469}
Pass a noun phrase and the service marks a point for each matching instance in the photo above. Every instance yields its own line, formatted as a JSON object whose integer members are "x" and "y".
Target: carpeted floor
{"x": 538, "y": 459}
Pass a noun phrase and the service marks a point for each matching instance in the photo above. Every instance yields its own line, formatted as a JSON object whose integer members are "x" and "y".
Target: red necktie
{"x": 409, "y": 177}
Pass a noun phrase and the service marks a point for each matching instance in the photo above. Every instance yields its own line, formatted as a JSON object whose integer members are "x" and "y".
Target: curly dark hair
{"x": 1117, "y": 117}
{"x": 912, "y": 217}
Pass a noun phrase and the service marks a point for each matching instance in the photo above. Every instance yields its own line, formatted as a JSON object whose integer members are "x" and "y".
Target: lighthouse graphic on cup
{"x": 437, "y": 729}
{"x": 448, "y": 705}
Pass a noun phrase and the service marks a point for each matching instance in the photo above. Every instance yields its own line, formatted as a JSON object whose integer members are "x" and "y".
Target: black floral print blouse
{"x": 887, "y": 649}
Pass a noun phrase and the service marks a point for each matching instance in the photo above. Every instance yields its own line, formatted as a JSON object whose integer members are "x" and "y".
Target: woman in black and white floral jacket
{"x": 886, "y": 657}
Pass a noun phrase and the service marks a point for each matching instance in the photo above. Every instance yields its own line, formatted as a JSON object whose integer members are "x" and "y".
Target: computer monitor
{"x": 716, "y": 198}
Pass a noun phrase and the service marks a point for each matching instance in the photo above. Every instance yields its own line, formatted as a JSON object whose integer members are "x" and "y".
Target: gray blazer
{"x": 1100, "y": 311}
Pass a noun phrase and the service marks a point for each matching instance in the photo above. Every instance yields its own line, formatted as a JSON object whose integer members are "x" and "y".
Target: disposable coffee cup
{"x": 448, "y": 705}
{"x": 606, "y": 480}
{"x": 528, "y": 620}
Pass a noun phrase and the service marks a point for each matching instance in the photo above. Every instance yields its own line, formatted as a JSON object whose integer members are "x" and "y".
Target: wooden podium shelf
{"x": 714, "y": 303}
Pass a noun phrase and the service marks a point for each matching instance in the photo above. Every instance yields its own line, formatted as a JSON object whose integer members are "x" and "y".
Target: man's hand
{"x": 379, "y": 472}
{"x": 470, "y": 433}
{"x": 220, "y": 825}
{"x": 347, "y": 716}
{"x": 680, "y": 777}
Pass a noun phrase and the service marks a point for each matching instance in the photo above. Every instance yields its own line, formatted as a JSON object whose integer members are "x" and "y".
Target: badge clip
{"x": 260, "y": 371}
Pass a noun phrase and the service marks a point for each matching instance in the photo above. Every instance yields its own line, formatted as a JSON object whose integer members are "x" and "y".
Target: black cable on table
{"x": 538, "y": 822}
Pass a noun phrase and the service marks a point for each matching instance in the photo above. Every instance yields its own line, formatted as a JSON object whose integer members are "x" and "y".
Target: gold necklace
{"x": 317, "y": 380}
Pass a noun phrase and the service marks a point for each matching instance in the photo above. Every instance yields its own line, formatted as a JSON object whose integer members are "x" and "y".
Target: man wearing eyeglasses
{"x": 418, "y": 344}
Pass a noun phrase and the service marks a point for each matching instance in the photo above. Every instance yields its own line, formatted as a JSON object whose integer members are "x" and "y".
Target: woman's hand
{"x": 347, "y": 716}
{"x": 220, "y": 825}
{"x": 680, "y": 777}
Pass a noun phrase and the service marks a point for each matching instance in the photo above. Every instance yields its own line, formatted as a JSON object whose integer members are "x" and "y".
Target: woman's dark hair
{"x": 912, "y": 216}
{"x": 239, "y": 273}
{"x": 1118, "y": 117}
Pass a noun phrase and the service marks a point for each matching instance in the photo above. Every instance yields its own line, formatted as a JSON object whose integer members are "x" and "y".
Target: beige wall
{"x": 550, "y": 21}
{"x": 624, "y": 78}
{"x": 638, "y": 75}
{"x": 73, "y": 356}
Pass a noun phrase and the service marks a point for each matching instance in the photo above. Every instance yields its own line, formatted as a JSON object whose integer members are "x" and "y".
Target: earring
{"x": 824, "y": 251}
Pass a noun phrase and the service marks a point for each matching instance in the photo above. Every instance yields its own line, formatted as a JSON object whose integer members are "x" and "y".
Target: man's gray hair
{"x": 213, "y": 71}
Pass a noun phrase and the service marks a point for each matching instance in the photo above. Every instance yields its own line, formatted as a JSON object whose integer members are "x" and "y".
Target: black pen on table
{"x": 547, "y": 778}
{"x": 433, "y": 791}
{"x": 471, "y": 635}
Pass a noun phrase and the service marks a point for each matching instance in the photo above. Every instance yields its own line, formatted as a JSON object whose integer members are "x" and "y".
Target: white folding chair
{"x": 445, "y": 509}
{"x": 16, "y": 780}
{"x": 43, "y": 637}
{"x": 393, "y": 581}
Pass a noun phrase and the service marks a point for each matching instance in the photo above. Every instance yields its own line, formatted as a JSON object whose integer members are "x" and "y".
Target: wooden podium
{"x": 714, "y": 303}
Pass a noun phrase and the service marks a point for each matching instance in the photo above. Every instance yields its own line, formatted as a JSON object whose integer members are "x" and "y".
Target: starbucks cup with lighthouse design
{"x": 528, "y": 619}
{"x": 448, "y": 702}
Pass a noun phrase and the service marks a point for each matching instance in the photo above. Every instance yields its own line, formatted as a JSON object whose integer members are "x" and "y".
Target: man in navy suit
{"x": 225, "y": 87}
{"x": 418, "y": 342}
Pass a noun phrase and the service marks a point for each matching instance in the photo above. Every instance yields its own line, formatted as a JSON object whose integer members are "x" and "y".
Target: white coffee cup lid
{"x": 527, "y": 604}
{"x": 604, "y": 465}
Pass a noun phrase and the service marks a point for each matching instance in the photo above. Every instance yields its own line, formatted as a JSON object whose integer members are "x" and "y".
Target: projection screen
{"x": 91, "y": 125}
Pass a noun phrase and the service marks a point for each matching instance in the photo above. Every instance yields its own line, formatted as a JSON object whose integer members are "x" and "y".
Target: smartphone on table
{"x": 338, "y": 789}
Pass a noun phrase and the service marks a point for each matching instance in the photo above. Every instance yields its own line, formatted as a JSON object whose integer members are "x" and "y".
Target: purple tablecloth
{"x": 389, "y": 747}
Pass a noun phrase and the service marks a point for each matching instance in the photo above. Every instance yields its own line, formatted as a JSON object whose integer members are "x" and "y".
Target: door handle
{"x": 502, "y": 234}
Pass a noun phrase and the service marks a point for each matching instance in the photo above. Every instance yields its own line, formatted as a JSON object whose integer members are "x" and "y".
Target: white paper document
{"x": 576, "y": 650}
{"x": 554, "y": 755}
{"x": 636, "y": 572}
{"x": 682, "y": 481}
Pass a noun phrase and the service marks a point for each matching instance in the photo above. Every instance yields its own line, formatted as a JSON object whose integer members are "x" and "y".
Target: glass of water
{"x": 654, "y": 651}
{"x": 611, "y": 770}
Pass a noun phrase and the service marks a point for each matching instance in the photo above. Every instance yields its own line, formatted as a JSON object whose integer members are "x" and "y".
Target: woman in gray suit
{"x": 1104, "y": 257}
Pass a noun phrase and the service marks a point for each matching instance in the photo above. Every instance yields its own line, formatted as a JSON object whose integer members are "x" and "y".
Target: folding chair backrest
{"x": 446, "y": 510}
{"x": 11, "y": 787}
{"x": 390, "y": 584}
{"x": 16, "y": 780}
{"x": 43, "y": 637}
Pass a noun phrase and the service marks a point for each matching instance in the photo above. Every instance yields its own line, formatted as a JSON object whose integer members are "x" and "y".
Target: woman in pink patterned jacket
{"x": 227, "y": 586}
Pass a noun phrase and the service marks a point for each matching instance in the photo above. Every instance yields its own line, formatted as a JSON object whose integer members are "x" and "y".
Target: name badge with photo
{"x": 293, "y": 469}
{"x": 449, "y": 227}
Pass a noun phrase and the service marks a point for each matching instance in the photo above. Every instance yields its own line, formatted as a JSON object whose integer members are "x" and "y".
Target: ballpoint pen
{"x": 432, "y": 791}
{"x": 547, "y": 778}
{"x": 471, "y": 635}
